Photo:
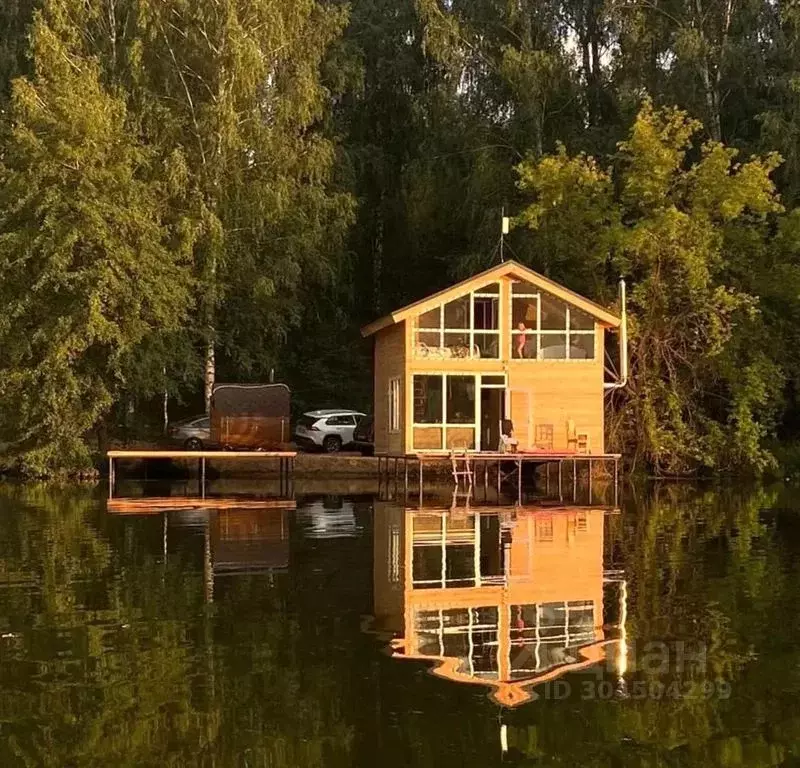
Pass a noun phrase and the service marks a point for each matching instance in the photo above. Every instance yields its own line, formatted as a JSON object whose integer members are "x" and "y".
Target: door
{"x": 492, "y": 415}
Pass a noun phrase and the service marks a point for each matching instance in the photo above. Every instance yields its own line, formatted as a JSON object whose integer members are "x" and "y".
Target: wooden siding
{"x": 558, "y": 391}
{"x": 390, "y": 357}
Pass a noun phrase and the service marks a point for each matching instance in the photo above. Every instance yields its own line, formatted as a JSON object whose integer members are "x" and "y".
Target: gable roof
{"x": 508, "y": 268}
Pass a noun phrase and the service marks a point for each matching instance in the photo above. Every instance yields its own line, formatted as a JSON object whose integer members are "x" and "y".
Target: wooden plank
{"x": 154, "y": 504}
{"x": 200, "y": 454}
{"x": 493, "y": 456}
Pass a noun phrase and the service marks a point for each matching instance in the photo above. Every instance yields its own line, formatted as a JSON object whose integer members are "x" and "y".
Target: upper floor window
{"x": 466, "y": 327}
{"x": 546, "y": 328}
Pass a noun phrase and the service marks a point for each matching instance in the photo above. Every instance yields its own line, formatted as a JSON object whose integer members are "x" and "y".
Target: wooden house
{"x": 507, "y": 344}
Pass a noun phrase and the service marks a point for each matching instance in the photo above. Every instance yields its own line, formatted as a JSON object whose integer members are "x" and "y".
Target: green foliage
{"x": 307, "y": 166}
{"x": 698, "y": 397}
{"x": 165, "y": 187}
{"x": 88, "y": 273}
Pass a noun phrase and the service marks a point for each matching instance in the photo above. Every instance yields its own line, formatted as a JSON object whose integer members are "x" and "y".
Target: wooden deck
{"x": 507, "y": 467}
{"x": 285, "y": 461}
{"x": 201, "y": 454}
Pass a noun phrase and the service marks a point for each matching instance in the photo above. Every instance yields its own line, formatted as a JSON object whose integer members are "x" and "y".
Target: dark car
{"x": 364, "y": 436}
{"x": 193, "y": 434}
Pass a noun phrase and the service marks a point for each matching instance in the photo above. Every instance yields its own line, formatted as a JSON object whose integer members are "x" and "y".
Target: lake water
{"x": 360, "y": 632}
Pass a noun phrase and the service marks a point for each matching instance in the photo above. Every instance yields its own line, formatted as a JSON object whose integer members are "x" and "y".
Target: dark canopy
{"x": 251, "y": 400}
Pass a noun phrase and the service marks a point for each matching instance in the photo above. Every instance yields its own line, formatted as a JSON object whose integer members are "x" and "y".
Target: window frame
{"x": 444, "y": 425}
{"x": 538, "y": 334}
{"x": 394, "y": 405}
{"x": 470, "y": 331}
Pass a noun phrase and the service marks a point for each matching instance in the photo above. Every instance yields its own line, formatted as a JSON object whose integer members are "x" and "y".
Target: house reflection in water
{"x": 506, "y": 597}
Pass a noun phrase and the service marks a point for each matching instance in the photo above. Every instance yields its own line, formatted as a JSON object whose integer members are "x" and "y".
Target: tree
{"x": 672, "y": 223}
{"x": 88, "y": 272}
{"x": 234, "y": 89}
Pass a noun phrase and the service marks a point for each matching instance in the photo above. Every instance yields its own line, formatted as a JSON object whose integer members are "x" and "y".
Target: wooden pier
{"x": 285, "y": 460}
{"x": 474, "y": 468}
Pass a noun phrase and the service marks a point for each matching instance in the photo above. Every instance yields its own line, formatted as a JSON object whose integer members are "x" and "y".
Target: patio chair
{"x": 544, "y": 437}
{"x": 577, "y": 441}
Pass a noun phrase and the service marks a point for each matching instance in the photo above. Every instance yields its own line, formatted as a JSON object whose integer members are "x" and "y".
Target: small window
{"x": 553, "y": 346}
{"x": 394, "y": 405}
{"x": 554, "y": 314}
{"x": 431, "y": 319}
{"x": 204, "y": 423}
{"x": 581, "y": 346}
{"x": 456, "y": 313}
{"x": 525, "y": 289}
{"x": 580, "y": 320}
{"x": 486, "y": 314}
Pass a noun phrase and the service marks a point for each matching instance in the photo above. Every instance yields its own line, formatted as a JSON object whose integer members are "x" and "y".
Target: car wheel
{"x": 332, "y": 444}
{"x": 193, "y": 444}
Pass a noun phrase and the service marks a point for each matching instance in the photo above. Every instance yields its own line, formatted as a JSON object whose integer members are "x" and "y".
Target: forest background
{"x": 200, "y": 190}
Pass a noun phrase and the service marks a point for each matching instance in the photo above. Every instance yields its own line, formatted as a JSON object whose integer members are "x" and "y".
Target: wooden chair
{"x": 577, "y": 441}
{"x": 544, "y": 437}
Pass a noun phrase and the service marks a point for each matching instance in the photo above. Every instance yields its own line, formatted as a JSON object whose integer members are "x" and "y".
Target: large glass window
{"x": 448, "y": 402}
{"x": 466, "y": 327}
{"x": 546, "y": 328}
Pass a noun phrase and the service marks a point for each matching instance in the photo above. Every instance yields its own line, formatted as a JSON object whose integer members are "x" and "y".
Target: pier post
{"x": 574, "y": 481}
{"x": 110, "y": 477}
{"x": 560, "y": 489}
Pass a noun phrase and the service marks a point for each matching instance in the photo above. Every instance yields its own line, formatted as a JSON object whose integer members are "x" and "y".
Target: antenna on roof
{"x": 503, "y": 231}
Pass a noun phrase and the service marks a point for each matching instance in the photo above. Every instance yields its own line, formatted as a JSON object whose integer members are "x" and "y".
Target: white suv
{"x": 330, "y": 429}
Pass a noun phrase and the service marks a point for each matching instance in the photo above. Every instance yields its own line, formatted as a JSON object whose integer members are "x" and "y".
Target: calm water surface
{"x": 665, "y": 635}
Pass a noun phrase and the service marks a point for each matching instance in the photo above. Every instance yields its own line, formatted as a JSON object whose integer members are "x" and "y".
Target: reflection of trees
{"x": 705, "y": 567}
{"x": 116, "y": 659}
